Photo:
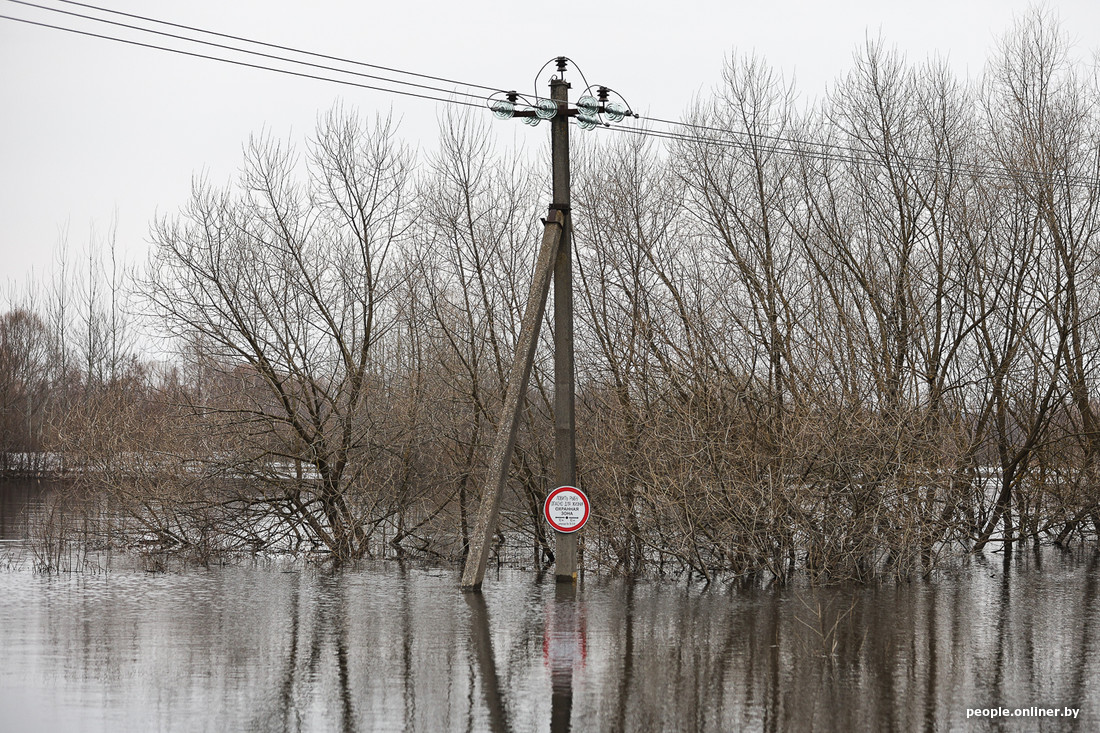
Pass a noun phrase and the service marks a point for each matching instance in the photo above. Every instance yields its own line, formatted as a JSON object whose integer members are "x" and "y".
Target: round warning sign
{"x": 566, "y": 509}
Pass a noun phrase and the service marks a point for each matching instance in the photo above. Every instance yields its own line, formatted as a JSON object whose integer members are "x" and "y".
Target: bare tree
{"x": 478, "y": 220}
{"x": 287, "y": 287}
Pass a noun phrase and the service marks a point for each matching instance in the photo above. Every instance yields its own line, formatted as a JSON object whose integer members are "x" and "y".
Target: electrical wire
{"x": 854, "y": 154}
{"x": 226, "y": 47}
{"x": 844, "y": 149}
{"x": 277, "y": 46}
{"x": 1002, "y": 174}
{"x": 578, "y": 68}
{"x": 734, "y": 144}
{"x": 815, "y": 150}
{"x": 235, "y": 62}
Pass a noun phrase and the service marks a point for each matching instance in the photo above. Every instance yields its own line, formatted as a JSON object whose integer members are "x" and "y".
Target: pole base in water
{"x": 565, "y": 557}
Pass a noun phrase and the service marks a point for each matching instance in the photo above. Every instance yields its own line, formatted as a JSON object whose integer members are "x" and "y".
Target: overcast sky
{"x": 91, "y": 129}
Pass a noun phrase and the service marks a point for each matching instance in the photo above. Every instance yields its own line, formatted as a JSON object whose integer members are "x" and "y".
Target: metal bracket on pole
{"x": 489, "y": 510}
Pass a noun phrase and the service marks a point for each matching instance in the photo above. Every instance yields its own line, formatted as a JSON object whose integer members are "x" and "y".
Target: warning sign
{"x": 566, "y": 509}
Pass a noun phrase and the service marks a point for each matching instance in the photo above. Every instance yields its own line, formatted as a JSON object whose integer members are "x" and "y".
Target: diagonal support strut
{"x": 489, "y": 510}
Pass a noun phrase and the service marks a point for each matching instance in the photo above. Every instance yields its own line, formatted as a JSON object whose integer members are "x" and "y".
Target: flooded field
{"x": 274, "y": 646}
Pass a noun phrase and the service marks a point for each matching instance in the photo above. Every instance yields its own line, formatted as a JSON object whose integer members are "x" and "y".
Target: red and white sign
{"x": 566, "y": 509}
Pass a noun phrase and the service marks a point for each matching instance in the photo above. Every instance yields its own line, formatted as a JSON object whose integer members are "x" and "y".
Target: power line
{"x": 847, "y": 153}
{"x": 751, "y": 147}
{"x": 823, "y": 152}
{"x": 235, "y": 62}
{"x": 782, "y": 145}
{"x": 226, "y": 47}
{"x": 278, "y": 47}
{"x": 847, "y": 150}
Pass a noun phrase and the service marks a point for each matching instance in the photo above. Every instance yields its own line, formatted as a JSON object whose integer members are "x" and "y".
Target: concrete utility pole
{"x": 556, "y": 259}
{"x": 565, "y": 446}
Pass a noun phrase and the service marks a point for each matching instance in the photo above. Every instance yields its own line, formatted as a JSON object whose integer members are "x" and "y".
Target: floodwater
{"x": 273, "y": 647}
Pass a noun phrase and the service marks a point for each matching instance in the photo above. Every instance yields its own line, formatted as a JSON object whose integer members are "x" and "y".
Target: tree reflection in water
{"x": 385, "y": 647}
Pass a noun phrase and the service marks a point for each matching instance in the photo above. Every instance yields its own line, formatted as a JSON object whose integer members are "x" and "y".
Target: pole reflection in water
{"x": 486, "y": 662}
{"x": 564, "y": 648}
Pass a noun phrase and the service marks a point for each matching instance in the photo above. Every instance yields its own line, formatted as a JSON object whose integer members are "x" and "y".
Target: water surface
{"x": 275, "y": 647}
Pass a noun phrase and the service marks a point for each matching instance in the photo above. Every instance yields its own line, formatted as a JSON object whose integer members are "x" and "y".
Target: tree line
{"x": 844, "y": 338}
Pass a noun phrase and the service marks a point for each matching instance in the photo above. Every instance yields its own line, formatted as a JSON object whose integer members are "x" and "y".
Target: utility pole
{"x": 555, "y": 260}
{"x": 565, "y": 446}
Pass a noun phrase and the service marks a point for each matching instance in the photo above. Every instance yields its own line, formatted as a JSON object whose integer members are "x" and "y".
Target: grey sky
{"x": 89, "y": 128}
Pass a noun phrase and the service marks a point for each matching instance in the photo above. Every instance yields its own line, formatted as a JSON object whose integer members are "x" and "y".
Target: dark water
{"x": 385, "y": 647}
